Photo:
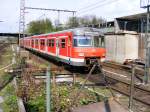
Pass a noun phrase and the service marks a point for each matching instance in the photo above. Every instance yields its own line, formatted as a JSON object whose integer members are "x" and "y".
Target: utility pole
{"x": 55, "y": 10}
{"x": 132, "y": 89}
{"x": 146, "y": 4}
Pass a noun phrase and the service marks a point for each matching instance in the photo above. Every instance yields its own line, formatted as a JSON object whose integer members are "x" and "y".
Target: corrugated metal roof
{"x": 133, "y": 17}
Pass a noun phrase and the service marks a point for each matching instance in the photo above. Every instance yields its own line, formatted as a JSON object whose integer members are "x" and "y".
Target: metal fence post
{"x": 147, "y": 60}
{"x": 48, "y": 81}
{"x": 132, "y": 89}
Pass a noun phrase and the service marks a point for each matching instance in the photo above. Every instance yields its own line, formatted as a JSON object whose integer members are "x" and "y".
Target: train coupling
{"x": 92, "y": 61}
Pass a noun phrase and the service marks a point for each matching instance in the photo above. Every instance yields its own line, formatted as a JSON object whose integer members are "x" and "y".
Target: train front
{"x": 88, "y": 47}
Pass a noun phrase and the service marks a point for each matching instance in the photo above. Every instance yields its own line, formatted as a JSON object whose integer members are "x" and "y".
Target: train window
{"x": 102, "y": 41}
{"x": 82, "y": 41}
{"x": 42, "y": 42}
{"x": 99, "y": 41}
{"x": 75, "y": 42}
{"x": 32, "y": 42}
{"x": 50, "y": 42}
{"x": 63, "y": 42}
{"x": 36, "y": 42}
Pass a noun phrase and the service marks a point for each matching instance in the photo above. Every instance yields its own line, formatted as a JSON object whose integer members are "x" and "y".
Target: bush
{"x": 36, "y": 105}
{"x": 10, "y": 99}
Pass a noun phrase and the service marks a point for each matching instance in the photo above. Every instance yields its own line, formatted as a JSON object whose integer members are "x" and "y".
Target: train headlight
{"x": 104, "y": 55}
{"x": 81, "y": 54}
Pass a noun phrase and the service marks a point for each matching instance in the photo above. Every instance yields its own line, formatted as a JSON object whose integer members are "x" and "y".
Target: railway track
{"x": 139, "y": 95}
{"x": 124, "y": 71}
{"x": 127, "y": 68}
{"x": 122, "y": 85}
{"x": 3, "y": 46}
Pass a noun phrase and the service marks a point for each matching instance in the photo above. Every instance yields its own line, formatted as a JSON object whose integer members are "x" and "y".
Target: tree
{"x": 91, "y": 20}
{"x": 73, "y": 22}
{"x": 40, "y": 26}
{"x": 88, "y": 20}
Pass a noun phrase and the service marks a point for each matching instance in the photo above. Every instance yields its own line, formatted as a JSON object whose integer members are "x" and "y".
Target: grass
{"x": 8, "y": 91}
{"x": 10, "y": 99}
{"x": 63, "y": 96}
{"x": 40, "y": 65}
{"x": 6, "y": 58}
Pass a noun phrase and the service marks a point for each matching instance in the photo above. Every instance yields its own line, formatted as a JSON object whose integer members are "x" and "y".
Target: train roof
{"x": 78, "y": 31}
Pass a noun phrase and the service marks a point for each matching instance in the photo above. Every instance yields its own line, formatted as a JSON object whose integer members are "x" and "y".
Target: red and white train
{"x": 77, "y": 47}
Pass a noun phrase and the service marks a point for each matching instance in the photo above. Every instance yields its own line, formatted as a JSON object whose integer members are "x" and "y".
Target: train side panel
{"x": 60, "y": 47}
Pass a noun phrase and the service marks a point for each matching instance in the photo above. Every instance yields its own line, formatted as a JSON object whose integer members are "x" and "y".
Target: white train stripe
{"x": 77, "y": 59}
{"x": 63, "y": 57}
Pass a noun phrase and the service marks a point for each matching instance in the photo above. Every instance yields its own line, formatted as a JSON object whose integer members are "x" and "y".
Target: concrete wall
{"x": 142, "y": 50}
{"x": 120, "y": 47}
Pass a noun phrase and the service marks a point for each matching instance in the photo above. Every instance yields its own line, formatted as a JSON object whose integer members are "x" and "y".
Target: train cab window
{"x": 42, "y": 42}
{"x": 63, "y": 43}
{"x": 82, "y": 41}
{"x": 50, "y": 42}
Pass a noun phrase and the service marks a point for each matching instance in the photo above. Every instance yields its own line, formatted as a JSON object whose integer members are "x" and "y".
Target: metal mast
{"x": 22, "y": 16}
{"x": 54, "y": 10}
{"x": 22, "y": 19}
{"x": 146, "y": 4}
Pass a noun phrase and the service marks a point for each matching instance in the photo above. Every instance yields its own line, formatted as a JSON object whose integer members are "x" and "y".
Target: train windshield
{"x": 88, "y": 41}
{"x": 80, "y": 41}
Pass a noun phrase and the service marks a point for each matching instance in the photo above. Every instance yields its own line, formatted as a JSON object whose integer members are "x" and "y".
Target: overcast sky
{"x": 108, "y": 9}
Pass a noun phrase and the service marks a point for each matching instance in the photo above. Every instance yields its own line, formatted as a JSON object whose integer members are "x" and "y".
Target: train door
{"x": 69, "y": 46}
{"x": 42, "y": 44}
{"x": 57, "y": 46}
{"x": 46, "y": 45}
{"x": 32, "y": 43}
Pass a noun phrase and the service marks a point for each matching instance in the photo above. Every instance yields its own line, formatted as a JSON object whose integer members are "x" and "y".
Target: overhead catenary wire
{"x": 98, "y": 6}
{"x": 91, "y": 5}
